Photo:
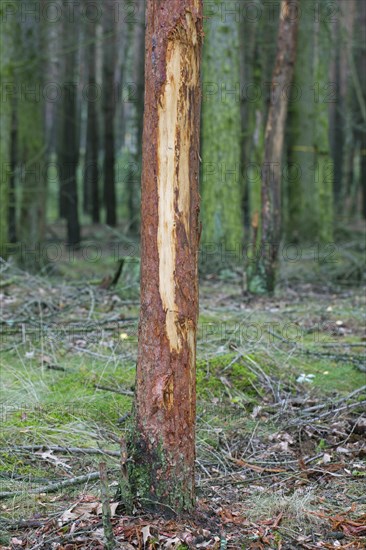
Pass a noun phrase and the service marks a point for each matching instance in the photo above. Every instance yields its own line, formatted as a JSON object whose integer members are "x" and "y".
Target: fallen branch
{"x": 58, "y": 449}
{"x": 115, "y": 390}
{"x": 333, "y": 402}
{"x": 52, "y": 487}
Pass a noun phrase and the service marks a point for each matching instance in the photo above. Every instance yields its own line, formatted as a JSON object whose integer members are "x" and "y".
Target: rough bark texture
{"x": 109, "y": 108}
{"x": 162, "y": 448}
{"x": 274, "y": 138}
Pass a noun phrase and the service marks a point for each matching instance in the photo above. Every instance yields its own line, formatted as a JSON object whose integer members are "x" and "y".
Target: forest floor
{"x": 281, "y": 423}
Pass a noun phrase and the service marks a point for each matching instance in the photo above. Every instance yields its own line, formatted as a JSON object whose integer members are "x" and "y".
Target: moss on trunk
{"x": 310, "y": 193}
{"x": 221, "y": 190}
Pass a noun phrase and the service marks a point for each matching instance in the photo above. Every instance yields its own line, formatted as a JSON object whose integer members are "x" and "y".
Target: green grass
{"x": 332, "y": 376}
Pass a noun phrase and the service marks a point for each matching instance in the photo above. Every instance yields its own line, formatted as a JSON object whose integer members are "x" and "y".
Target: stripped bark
{"x": 162, "y": 446}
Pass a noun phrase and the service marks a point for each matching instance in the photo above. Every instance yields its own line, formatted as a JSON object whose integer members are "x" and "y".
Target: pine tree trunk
{"x": 109, "y": 107}
{"x": 32, "y": 148}
{"x": 69, "y": 153}
{"x": 274, "y": 138}
{"x": 91, "y": 172}
{"x": 6, "y": 47}
{"x": 360, "y": 60}
{"x": 310, "y": 189}
{"x": 222, "y": 219}
{"x": 12, "y": 221}
{"x": 162, "y": 447}
{"x": 133, "y": 182}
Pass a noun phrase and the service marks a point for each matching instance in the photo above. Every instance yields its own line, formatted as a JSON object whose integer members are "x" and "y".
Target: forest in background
{"x": 72, "y": 91}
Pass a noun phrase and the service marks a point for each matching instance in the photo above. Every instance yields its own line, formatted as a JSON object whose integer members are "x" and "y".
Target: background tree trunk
{"x": 32, "y": 149}
{"x": 273, "y": 147}
{"x": 109, "y": 108}
{"x": 222, "y": 233}
{"x": 310, "y": 189}
{"x": 133, "y": 180}
{"x": 69, "y": 154}
{"x": 13, "y": 167}
{"x": 274, "y": 140}
{"x": 162, "y": 447}
{"x": 91, "y": 171}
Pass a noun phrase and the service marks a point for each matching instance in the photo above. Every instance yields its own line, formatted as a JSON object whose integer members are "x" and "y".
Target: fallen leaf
{"x": 146, "y": 533}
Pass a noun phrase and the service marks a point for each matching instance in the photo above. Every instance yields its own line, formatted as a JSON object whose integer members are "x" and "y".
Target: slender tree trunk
{"x": 109, "y": 107}
{"x": 69, "y": 143}
{"x": 347, "y": 16}
{"x": 91, "y": 172}
{"x": 162, "y": 448}
{"x": 13, "y": 166}
{"x": 336, "y": 117}
{"x": 274, "y": 138}
{"x": 261, "y": 65}
{"x": 7, "y": 34}
{"x": 133, "y": 182}
{"x": 32, "y": 149}
{"x": 360, "y": 60}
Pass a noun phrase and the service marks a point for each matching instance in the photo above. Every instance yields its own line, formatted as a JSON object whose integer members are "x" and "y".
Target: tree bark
{"x": 360, "y": 120}
{"x": 69, "y": 152}
{"x": 162, "y": 446}
{"x": 91, "y": 172}
{"x": 274, "y": 138}
{"x": 12, "y": 220}
{"x": 31, "y": 140}
{"x": 310, "y": 192}
{"x": 109, "y": 109}
{"x": 133, "y": 181}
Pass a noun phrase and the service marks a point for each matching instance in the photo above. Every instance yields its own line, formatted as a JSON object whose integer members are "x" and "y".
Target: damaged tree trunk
{"x": 274, "y": 138}
{"x": 162, "y": 445}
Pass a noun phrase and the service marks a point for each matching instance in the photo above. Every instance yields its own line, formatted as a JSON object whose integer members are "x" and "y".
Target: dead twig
{"x": 59, "y": 449}
{"x": 115, "y": 390}
{"x": 53, "y": 487}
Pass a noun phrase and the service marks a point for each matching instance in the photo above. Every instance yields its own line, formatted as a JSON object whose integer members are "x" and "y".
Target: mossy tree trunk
{"x": 32, "y": 149}
{"x": 271, "y": 173}
{"x": 162, "y": 445}
{"x": 222, "y": 216}
{"x": 310, "y": 188}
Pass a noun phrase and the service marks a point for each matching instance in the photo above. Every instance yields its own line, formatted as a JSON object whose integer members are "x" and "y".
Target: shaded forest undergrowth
{"x": 280, "y": 415}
